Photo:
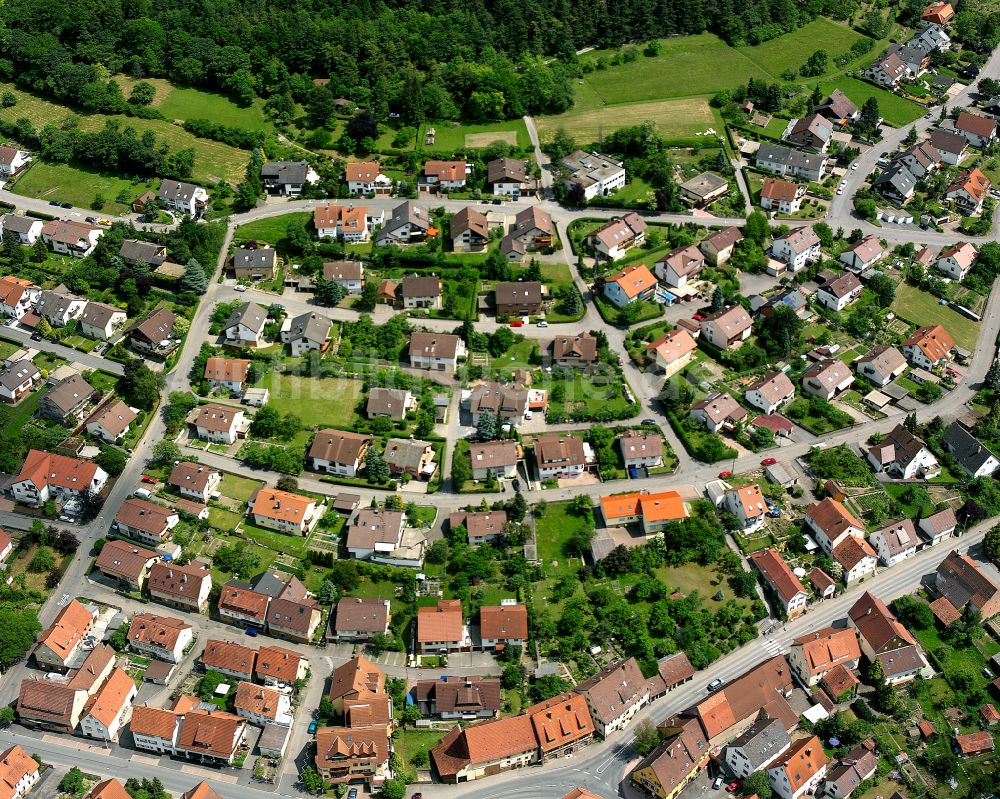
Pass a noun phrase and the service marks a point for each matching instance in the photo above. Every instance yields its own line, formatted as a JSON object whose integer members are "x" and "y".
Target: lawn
{"x": 408, "y": 742}
{"x": 580, "y": 392}
{"x": 915, "y": 507}
{"x": 553, "y": 531}
{"x": 896, "y": 110}
{"x": 692, "y": 577}
{"x": 817, "y": 425}
{"x": 680, "y": 118}
{"x": 316, "y": 401}
{"x": 922, "y": 308}
{"x": 793, "y": 49}
{"x": 78, "y": 184}
{"x": 188, "y": 103}
{"x": 294, "y": 545}
{"x": 212, "y": 159}
{"x": 610, "y": 313}
{"x": 271, "y": 229}
{"x": 223, "y": 520}
{"x": 238, "y": 488}
{"x": 454, "y": 136}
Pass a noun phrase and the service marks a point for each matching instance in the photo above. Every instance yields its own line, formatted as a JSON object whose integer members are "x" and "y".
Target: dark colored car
{"x": 517, "y": 485}
{"x": 66, "y": 205}
{"x": 36, "y": 336}
{"x": 56, "y": 203}
{"x": 649, "y": 422}
{"x": 251, "y": 631}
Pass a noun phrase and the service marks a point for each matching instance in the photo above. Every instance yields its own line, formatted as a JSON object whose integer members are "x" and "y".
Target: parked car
{"x": 36, "y": 336}
{"x": 716, "y": 683}
{"x": 649, "y": 422}
{"x": 312, "y": 727}
{"x": 543, "y": 323}
{"x": 239, "y": 287}
{"x": 104, "y": 221}
{"x": 91, "y": 220}
{"x": 66, "y": 205}
{"x": 723, "y": 475}
{"x": 149, "y": 479}
{"x": 517, "y": 323}
{"x": 56, "y": 203}
{"x": 768, "y": 461}
{"x": 731, "y": 788}
{"x": 251, "y": 631}
{"x": 698, "y": 317}
{"x": 517, "y": 484}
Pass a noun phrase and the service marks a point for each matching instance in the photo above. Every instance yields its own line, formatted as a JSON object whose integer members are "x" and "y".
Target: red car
{"x": 151, "y": 480}
{"x": 517, "y": 323}
{"x": 733, "y": 786}
{"x": 725, "y": 474}
{"x": 768, "y": 461}
{"x": 698, "y": 317}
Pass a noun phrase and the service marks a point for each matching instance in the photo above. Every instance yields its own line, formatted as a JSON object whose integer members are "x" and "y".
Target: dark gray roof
{"x": 135, "y": 250}
{"x": 789, "y": 157}
{"x": 267, "y": 583}
{"x": 18, "y": 372}
{"x": 793, "y": 298}
{"x": 899, "y": 178}
{"x": 968, "y": 452}
{"x": 405, "y": 213}
{"x": 53, "y": 304}
{"x": 263, "y": 258}
{"x": 249, "y": 314}
{"x": 762, "y": 741}
{"x": 310, "y": 326}
{"x": 19, "y": 224}
{"x": 176, "y": 190}
{"x": 98, "y": 314}
{"x": 285, "y": 171}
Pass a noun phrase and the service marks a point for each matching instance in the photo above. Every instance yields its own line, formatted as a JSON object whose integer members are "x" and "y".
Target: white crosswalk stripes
{"x": 772, "y": 646}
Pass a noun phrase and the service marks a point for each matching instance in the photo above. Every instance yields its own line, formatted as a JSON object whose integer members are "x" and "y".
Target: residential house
{"x": 799, "y": 770}
{"x": 974, "y": 743}
{"x": 441, "y": 628}
{"x": 469, "y": 230}
{"x": 980, "y": 131}
{"x": 126, "y": 563}
{"x": 62, "y": 641}
{"x": 756, "y": 747}
{"x": 276, "y": 665}
{"x": 831, "y": 524}
{"x": 770, "y": 392}
{"x": 922, "y": 159}
{"x": 679, "y": 266}
{"x": 507, "y": 177}
{"x": 67, "y": 237}
{"x": 153, "y": 333}
{"x": 100, "y": 321}
{"x": 195, "y": 481}
{"x": 229, "y": 658}
{"x": 592, "y": 175}
{"x": 136, "y": 251}
{"x": 788, "y": 589}
{"x": 676, "y": 762}
{"x": 964, "y": 583}
{"x": 974, "y": 458}
{"x": 615, "y": 695}
{"x": 18, "y": 380}
{"x": 928, "y": 347}
{"x": 161, "y": 637}
{"x": 813, "y": 655}
{"x": 406, "y": 456}
{"x": 703, "y": 189}
{"x": 521, "y": 298}
{"x": 12, "y": 161}
{"x": 185, "y": 587}
{"x": 185, "y": 198}
{"x": 559, "y": 456}
{"x": 797, "y": 248}
{"x": 641, "y": 448}
{"x": 952, "y": 146}
{"x": 575, "y": 351}
{"x": 863, "y": 254}
{"x": 532, "y": 228}
{"x": 346, "y": 755}
{"x": 365, "y": 177}
{"x": 67, "y": 400}
{"x": 726, "y": 328}
{"x": 857, "y": 559}
{"x": 895, "y": 542}
{"x": 747, "y": 504}
{"x": 508, "y": 403}
{"x": 338, "y": 452}
{"x": 938, "y": 526}
{"x": 354, "y": 224}
{"x": 293, "y": 613}
{"x": 357, "y": 619}
{"x": 245, "y": 325}
{"x": 287, "y": 177}
{"x": 903, "y": 456}
{"x": 882, "y": 637}
{"x": 632, "y": 284}
{"x": 446, "y": 174}
{"x": 349, "y": 274}
{"x": 481, "y": 527}
{"x": 498, "y": 458}
{"x": 881, "y": 365}
{"x": 374, "y": 531}
{"x": 718, "y": 411}
{"x": 938, "y": 13}
{"x": 617, "y": 236}
{"x": 50, "y": 705}
{"x": 17, "y": 295}
{"x": 357, "y": 679}
{"x": 261, "y": 705}
{"x": 435, "y": 351}
{"x": 145, "y": 521}
{"x": 503, "y": 625}
{"x": 307, "y": 332}
{"x": 562, "y": 725}
{"x": 839, "y": 109}
{"x": 26, "y": 228}
{"x": 968, "y": 191}
{"x": 110, "y": 708}
{"x": 839, "y": 292}
{"x": 230, "y": 373}
{"x": 840, "y": 683}
{"x": 653, "y": 510}
{"x": 790, "y": 163}
{"x": 458, "y": 698}
{"x": 58, "y": 307}
{"x": 409, "y": 223}
{"x": 239, "y": 604}
{"x": 19, "y": 771}
{"x": 210, "y": 737}
{"x": 284, "y": 511}
{"x": 220, "y": 424}
{"x": 674, "y": 670}
{"x": 957, "y": 260}
{"x": 389, "y": 403}
{"x": 782, "y": 196}
{"x": 827, "y": 378}
{"x": 813, "y": 131}
{"x": 154, "y": 729}
{"x": 44, "y": 476}
{"x": 672, "y": 351}
{"x": 888, "y": 71}
{"x": 896, "y": 182}
{"x": 916, "y": 59}
{"x": 255, "y": 265}
{"x": 718, "y": 246}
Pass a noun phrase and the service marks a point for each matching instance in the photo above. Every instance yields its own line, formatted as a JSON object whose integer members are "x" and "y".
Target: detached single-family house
{"x": 435, "y": 351}
{"x": 938, "y": 526}
{"x": 126, "y": 563}
{"x": 195, "y": 480}
{"x": 887, "y": 71}
{"x": 145, "y": 521}
{"x": 813, "y": 131}
{"x": 728, "y": 327}
{"x": 782, "y": 196}
{"x": 135, "y": 251}
{"x": 903, "y": 456}
{"x": 67, "y": 237}
{"x": 973, "y": 457}
{"x": 881, "y": 365}
{"x": 922, "y": 159}
{"x": 897, "y": 183}
{"x": 957, "y": 260}
{"x": 617, "y": 236}
{"x": 365, "y": 177}
{"x": 469, "y": 230}
{"x": 503, "y": 625}
{"x": 797, "y": 248}
{"x": 409, "y": 223}
{"x": 862, "y": 254}
{"x": 349, "y": 274}
{"x": 790, "y": 163}
{"x": 559, "y": 456}
{"x": 58, "y": 307}
{"x": 186, "y": 587}
{"x": 421, "y": 292}
{"x": 153, "y": 333}
{"x": 718, "y": 246}
{"x": 521, "y": 298}
{"x": 839, "y": 109}
{"x": 968, "y": 190}
{"x": 45, "y": 476}
{"x": 770, "y": 392}
{"x": 100, "y": 321}
{"x": 18, "y": 380}
{"x": 672, "y": 351}
{"x": 230, "y": 373}
{"x": 162, "y": 637}
{"x": 220, "y": 424}
{"x": 338, "y": 452}
{"x": 391, "y": 403}
{"x": 287, "y": 177}
{"x": 783, "y": 583}
{"x": 747, "y": 504}
{"x": 593, "y": 175}
{"x": 440, "y": 628}
{"x": 928, "y": 347}
{"x": 532, "y": 229}
{"x": 12, "y": 161}
{"x": 112, "y": 423}
{"x": 308, "y": 332}
{"x": 17, "y": 295}
{"x": 895, "y": 542}
{"x": 938, "y": 13}
{"x": 245, "y": 325}
{"x": 831, "y": 523}
{"x": 680, "y": 266}
{"x": 446, "y": 174}
{"x": 284, "y": 511}
{"x": 816, "y": 653}
{"x": 507, "y": 177}
{"x": 406, "y": 456}
{"x": 952, "y": 146}
{"x": 980, "y": 131}
{"x": 498, "y": 458}
{"x": 718, "y": 411}
{"x": 255, "y": 265}
{"x": 634, "y": 283}
{"x": 703, "y": 189}
{"x": 357, "y": 619}
{"x": 26, "y": 228}
{"x": 185, "y": 198}
{"x": 641, "y": 448}
{"x": 839, "y": 292}
{"x": 827, "y": 378}
{"x": 352, "y": 223}
{"x": 481, "y": 527}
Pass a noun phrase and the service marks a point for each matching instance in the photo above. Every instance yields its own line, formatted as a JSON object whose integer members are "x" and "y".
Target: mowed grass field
{"x": 316, "y": 401}
{"x": 680, "y": 118}
{"x": 454, "y": 136}
{"x": 78, "y": 185}
{"x": 921, "y": 308}
{"x": 213, "y": 160}
{"x": 271, "y": 229}
{"x": 178, "y": 102}
{"x": 896, "y": 110}
{"x": 791, "y": 50}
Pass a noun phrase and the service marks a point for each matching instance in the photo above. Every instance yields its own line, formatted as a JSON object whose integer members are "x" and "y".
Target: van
{"x": 717, "y": 784}
{"x": 143, "y": 493}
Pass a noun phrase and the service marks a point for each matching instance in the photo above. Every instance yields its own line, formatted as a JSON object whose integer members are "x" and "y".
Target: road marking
{"x": 772, "y": 646}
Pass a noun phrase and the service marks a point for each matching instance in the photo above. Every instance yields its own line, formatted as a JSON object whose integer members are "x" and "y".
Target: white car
{"x": 239, "y": 287}
{"x": 840, "y": 190}
{"x": 543, "y": 323}
{"x": 854, "y": 165}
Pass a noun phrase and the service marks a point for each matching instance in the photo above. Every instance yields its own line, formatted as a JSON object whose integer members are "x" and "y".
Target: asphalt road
{"x": 87, "y": 359}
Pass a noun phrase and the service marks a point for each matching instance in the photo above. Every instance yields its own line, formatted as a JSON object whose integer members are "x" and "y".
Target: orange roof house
{"x": 560, "y": 724}
{"x": 632, "y": 283}
{"x": 800, "y": 768}
{"x": 938, "y": 13}
{"x": 653, "y": 509}
{"x": 503, "y": 624}
{"x": 60, "y": 641}
{"x": 814, "y": 654}
{"x": 440, "y": 627}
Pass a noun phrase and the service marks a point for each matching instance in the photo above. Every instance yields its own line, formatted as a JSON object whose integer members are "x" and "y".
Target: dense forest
{"x": 441, "y": 59}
